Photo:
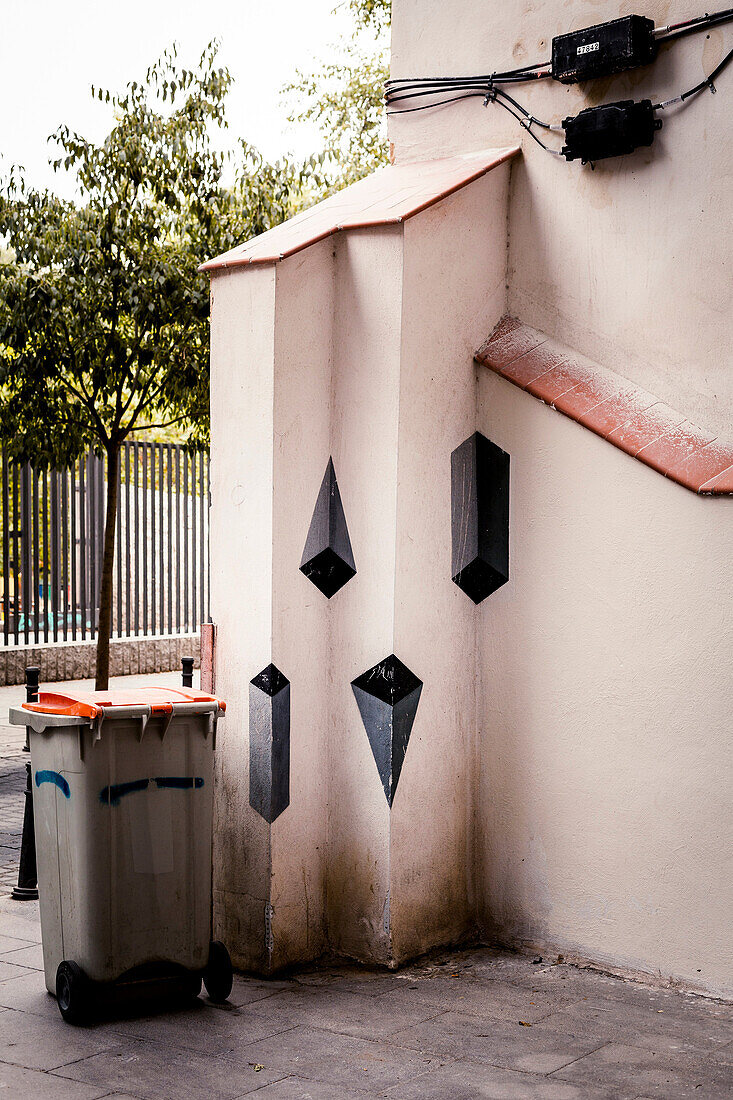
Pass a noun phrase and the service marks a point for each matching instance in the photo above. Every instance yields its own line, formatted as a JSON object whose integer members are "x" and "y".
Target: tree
{"x": 346, "y": 100}
{"x": 373, "y": 14}
{"x": 103, "y": 317}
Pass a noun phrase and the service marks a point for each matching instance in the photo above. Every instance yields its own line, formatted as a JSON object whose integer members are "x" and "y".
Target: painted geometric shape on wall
{"x": 387, "y": 696}
{"x": 480, "y": 516}
{"x": 269, "y": 743}
{"x": 327, "y": 558}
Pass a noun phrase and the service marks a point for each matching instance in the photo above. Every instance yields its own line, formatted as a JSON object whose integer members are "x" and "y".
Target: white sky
{"x": 52, "y": 51}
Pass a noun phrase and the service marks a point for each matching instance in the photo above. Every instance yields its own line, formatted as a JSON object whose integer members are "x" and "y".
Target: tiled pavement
{"x": 461, "y": 1026}
{"x": 466, "y": 1025}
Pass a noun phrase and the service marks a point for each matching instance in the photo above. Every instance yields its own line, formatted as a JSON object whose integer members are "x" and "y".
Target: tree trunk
{"x": 108, "y": 562}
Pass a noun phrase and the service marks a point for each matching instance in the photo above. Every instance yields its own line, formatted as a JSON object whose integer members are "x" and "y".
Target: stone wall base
{"x": 59, "y": 661}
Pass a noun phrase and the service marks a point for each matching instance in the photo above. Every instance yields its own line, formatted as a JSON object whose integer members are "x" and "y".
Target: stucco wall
{"x": 628, "y": 263}
{"x": 603, "y": 805}
{"x": 359, "y": 348}
{"x": 605, "y": 824}
{"x": 567, "y": 782}
{"x": 242, "y": 402}
{"x": 444, "y": 308}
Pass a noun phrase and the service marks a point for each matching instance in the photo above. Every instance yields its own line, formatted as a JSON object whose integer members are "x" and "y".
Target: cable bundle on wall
{"x": 606, "y": 48}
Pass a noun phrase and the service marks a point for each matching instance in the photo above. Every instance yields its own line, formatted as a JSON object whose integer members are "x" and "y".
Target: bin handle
{"x": 76, "y": 710}
{"x": 213, "y": 707}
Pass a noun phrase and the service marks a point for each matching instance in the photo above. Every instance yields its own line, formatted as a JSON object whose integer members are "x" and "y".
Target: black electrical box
{"x": 603, "y": 49}
{"x": 610, "y": 130}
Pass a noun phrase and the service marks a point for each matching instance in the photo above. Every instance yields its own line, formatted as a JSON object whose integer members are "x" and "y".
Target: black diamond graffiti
{"x": 387, "y": 696}
{"x": 269, "y": 743}
{"x": 327, "y": 558}
{"x": 480, "y": 516}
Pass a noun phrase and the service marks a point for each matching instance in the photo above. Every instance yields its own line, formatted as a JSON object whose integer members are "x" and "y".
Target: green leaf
{"x": 103, "y": 315}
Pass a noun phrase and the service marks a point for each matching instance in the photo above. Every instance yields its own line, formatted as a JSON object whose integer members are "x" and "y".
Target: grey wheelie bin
{"x": 122, "y": 796}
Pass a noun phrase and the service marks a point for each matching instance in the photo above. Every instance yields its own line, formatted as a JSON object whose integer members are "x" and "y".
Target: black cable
{"x": 526, "y": 125}
{"x": 709, "y": 82}
{"x": 441, "y": 103}
{"x": 489, "y": 87}
{"x": 491, "y": 95}
{"x": 482, "y": 87}
{"x": 482, "y": 78}
{"x": 544, "y": 125}
{"x": 399, "y": 90}
{"x": 692, "y": 26}
{"x": 478, "y": 76}
{"x": 487, "y": 90}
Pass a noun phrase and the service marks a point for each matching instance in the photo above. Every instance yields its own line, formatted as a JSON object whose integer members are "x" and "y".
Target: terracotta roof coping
{"x": 629, "y": 417}
{"x": 387, "y": 197}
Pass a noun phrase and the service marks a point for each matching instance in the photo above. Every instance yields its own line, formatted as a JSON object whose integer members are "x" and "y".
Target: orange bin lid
{"x": 90, "y": 704}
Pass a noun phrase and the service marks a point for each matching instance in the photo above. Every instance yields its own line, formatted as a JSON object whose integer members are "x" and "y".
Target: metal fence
{"x": 52, "y": 540}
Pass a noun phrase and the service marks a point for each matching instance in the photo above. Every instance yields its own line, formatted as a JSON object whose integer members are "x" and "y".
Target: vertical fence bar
{"x": 6, "y": 550}
{"x": 145, "y": 536}
{"x": 92, "y": 540}
{"x": 194, "y": 559}
{"x": 26, "y": 548}
{"x": 16, "y": 549}
{"x": 208, "y": 556}
{"x": 101, "y": 511}
{"x": 161, "y": 559}
{"x": 169, "y": 449}
{"x": 103, "y": 473}
{"x": 54, "y": 549}
{"x": 65, "y": 551}
{"x": 119, "y": 542}
{"x": 128, "y": 535}
{"x": 186, "y": 582}
{"x": 83, "y": 461}
{"x": 45, "y": 546}
{"x": 74, "y": 555}
{"x": 136, "y": 483}
{"x": 202, "y": 539}
{"x": 98, "y": 539}
{"x": 177, "y": 452}
{"x": 153, "y": 545}
{"x": 36, "y": 560}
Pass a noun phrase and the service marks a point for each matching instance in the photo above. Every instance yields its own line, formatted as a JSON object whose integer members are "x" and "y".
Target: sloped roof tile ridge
{"x": 388, "y": 196}
{"x": 629, "y": 417}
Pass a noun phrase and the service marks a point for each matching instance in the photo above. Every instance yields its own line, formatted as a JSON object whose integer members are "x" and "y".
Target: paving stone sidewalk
{"x": 461, "y": 1026}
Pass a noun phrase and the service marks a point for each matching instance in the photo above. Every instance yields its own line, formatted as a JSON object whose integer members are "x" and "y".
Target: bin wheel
{"x": 218, "y": 973}
{"x": 73, "y": 993}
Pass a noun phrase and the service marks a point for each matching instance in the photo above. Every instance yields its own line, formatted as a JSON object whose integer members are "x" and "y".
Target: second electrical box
{"x": 610, "y": 130}
{"x": 603, "y": 49}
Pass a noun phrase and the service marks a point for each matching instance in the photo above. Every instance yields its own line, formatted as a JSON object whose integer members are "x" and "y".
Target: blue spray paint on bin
{"x": 110, "y": 796}
{"x": 179, "y": 782}
{"x": 55, "y": 778}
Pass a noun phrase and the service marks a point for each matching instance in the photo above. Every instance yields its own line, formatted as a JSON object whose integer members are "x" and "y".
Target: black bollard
{"x": 27, "y": 888}
{"x": 187, "y": 673}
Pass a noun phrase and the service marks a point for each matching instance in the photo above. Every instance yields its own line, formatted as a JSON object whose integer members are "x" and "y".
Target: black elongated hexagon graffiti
{"x": 269, "y": 743}
{"x": 327, "y": 557}
{"x": 480, "y": 516}
{"x": 387, "y": 696}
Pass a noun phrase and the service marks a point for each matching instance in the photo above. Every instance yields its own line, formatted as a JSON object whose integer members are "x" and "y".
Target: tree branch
{"x": 166, "y": 424}
{"x": 90, "y": 406}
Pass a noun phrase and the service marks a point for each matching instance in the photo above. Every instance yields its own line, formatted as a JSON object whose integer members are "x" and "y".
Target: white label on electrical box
{"x": 590, "y": 48}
